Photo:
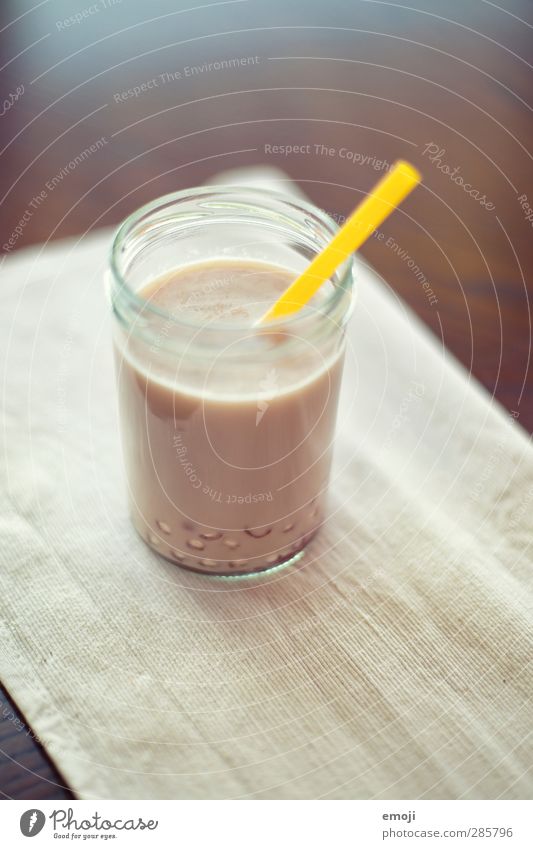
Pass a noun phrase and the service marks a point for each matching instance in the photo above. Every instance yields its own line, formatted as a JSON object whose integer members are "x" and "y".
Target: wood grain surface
{"x": 106, "y": 109}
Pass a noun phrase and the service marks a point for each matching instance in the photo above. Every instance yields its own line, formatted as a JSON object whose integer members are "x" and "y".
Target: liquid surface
{"x": 227, "y": 292}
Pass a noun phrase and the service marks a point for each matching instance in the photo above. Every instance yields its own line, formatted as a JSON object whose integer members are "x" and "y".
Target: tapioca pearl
{"x": 288, "y": 527}
{"x": 163, "y": 526}
{"x": 188, "y": 526}
{"x": 271, "y": 559}
{"x": 152, "y": 539}
{"x": 196, "y": 544}
{"x": 230, "y": 543}
{"x": 211, "y": 535}
{"x": 209, "y": 564}
{"x": 178, "y": 556}
{"x": 257, "y": 533}
{"x": 236, "y": 564}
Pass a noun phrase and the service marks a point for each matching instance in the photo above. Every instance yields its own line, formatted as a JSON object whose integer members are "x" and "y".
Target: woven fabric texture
{"x": 393, "y": 661}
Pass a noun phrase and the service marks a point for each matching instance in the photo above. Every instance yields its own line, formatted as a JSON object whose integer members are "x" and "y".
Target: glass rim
{"x": 257, "y": 194}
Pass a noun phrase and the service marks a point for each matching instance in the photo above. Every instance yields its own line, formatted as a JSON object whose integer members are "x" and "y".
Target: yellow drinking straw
{"x": 385, "y": 197}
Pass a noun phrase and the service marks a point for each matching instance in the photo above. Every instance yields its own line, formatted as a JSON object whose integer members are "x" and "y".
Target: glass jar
{"x": 227, "y": 429}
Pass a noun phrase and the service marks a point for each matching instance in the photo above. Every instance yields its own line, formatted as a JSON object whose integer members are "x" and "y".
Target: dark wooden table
{"x": 169, "y": 93}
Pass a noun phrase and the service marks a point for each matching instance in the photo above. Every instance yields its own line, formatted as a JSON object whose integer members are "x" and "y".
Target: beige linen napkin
{"x": 392, "y": 662}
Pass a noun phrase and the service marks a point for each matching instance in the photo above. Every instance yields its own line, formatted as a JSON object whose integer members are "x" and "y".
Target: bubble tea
{"x": 227, "y": 427}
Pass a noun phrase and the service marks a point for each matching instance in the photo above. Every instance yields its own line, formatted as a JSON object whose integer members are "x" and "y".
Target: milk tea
{"x": 227, "y": 464}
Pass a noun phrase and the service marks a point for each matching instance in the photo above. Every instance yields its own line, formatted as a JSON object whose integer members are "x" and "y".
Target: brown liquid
{"x": 228, "y": 480}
